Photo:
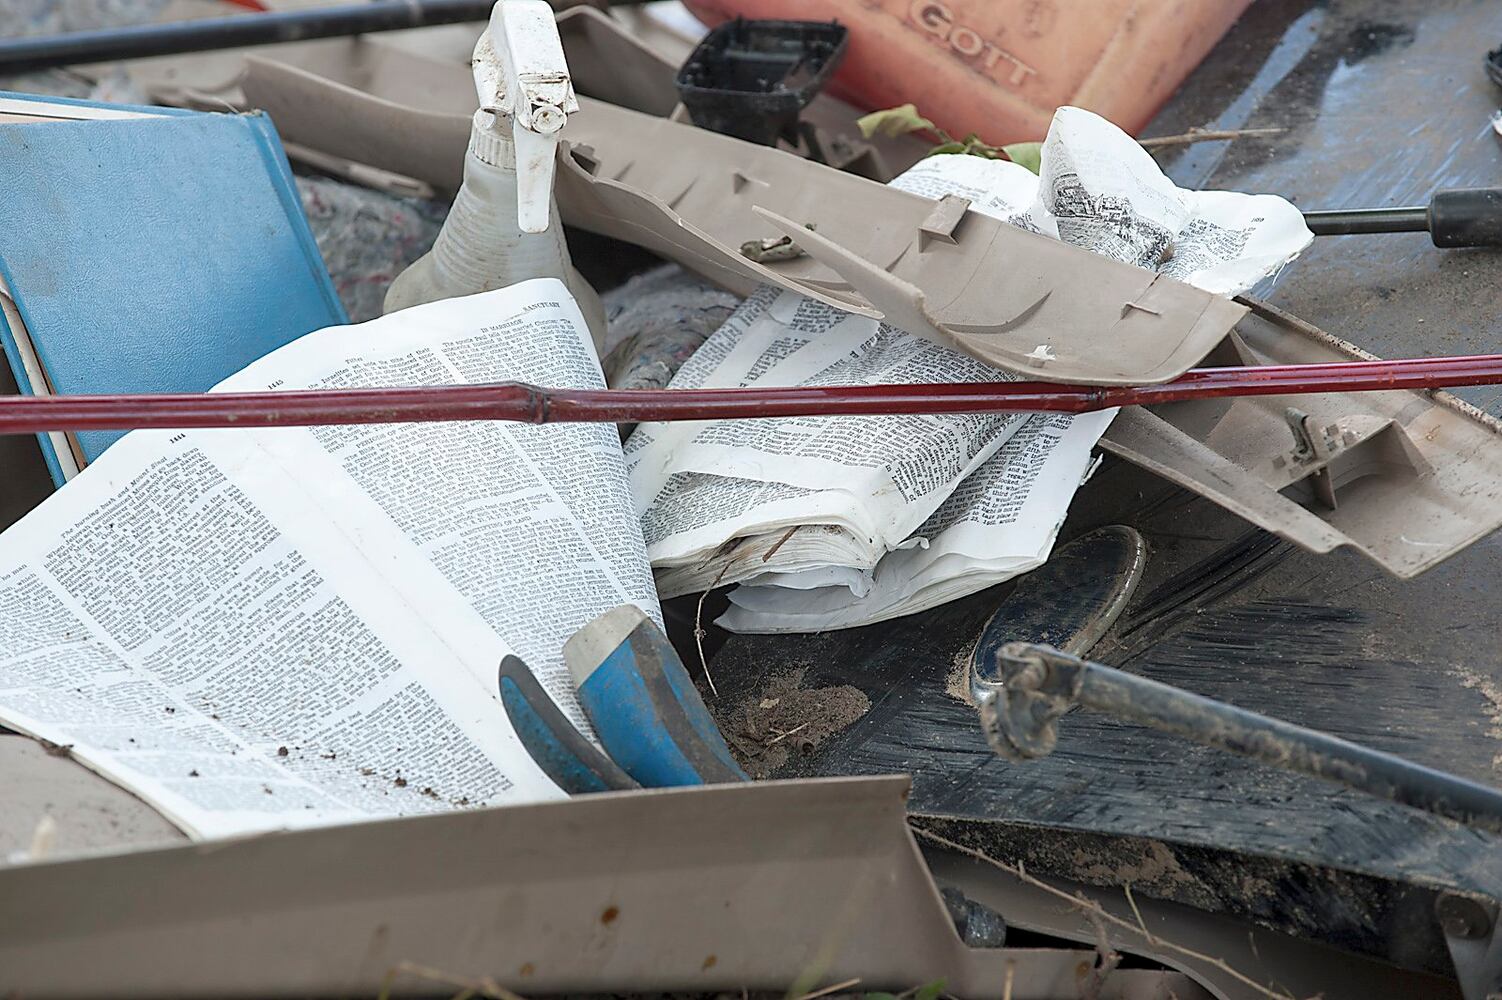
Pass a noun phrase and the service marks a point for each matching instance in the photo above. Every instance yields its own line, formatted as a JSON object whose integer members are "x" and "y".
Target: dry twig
{"x": 1106, "y": 957}
{"x": 1138, "y": 914}
{"x": 837, "y": 987}
{"x": 782, "y": 736}
{"x": 699, "y": 632}
{"x": 1207, "y": 135}
{"x": 484, "y": 987}
{"x": 1090, "y": 907}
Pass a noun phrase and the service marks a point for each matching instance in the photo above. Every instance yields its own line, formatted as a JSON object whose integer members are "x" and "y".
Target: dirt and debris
{"x": 957, "y": 681}
{"x": 767, "y": 729}
{"x": 1491, "y": 703}
{"x": 57, "y": 749}
{"x": 770, "y": 250}
{"x": 1149, "y": 864}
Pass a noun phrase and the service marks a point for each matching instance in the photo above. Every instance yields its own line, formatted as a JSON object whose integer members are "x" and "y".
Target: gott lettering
{"x": 937, "y": 19}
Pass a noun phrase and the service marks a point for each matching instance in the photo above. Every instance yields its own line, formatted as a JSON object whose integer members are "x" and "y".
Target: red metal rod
{"x": 517, "y": 401}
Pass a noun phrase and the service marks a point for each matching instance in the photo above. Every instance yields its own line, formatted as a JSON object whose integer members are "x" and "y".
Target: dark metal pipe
{"x": 1454, "y": 217}
{"x": 1039, "y": 684}
{"x": 1368, "y": 220}
{"x": 24, "y": 55}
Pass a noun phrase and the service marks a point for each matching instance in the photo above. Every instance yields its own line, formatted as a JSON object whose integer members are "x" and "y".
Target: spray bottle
{"x": 504, "y": 225}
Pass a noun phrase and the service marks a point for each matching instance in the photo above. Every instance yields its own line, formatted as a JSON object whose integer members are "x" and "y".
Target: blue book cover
{"x": 152, "y": 250}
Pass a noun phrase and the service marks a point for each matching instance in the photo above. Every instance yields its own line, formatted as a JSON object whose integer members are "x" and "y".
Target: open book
{"x": 257, "y": 629}
{"x": 843, "y": 521}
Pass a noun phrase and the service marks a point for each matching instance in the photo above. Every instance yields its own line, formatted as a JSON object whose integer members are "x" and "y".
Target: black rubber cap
{"x": 1466, "y": 217}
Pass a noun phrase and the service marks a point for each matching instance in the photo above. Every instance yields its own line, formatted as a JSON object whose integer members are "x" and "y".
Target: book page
{"x": 874, "y": 479}
{"x": 530, "y": 528}
{"x": 179, "y": 619}
{"x": 28, "y": 111}
{"x": 274, "y": 628}
{"x": 64, "y": 446}
{"x": 1000, "y": 521}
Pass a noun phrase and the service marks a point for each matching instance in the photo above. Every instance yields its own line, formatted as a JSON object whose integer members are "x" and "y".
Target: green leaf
{"x": 947, "y": 148}
{"x": 1028, "y": 154}
{"x": 930, "y": 991}
{"x": 893, "y": 122}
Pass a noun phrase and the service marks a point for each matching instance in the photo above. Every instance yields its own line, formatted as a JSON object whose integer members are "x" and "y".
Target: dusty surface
{"x": 87, "y": 813}
{"x": 957, "y": 681}
{"x": 1491, "y": 694}
{"x": 786, "y": 718}
{"x": 1148, "y": 864}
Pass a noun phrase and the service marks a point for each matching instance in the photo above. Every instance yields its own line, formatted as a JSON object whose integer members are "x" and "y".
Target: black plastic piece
{"x": 1068, "y": 603}
{"x": 1039, "y": 684}
{"x": 1493, "y": 64}
{"x": 752, "y": 79}
{"x": 1466, "y": 217}
{"x": 977, "y": 924}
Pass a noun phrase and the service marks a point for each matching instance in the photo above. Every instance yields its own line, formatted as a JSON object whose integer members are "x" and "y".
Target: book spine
{"x": 23, "y": 383}
{"x": 153, "y": 110}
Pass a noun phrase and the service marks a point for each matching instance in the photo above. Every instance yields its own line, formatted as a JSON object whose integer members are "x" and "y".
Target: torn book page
{"x": 868, "y": 481}
{"x": 1000, "y": 521}
{"x": 1099, "y": 189}
{"x": 277, "y": 628}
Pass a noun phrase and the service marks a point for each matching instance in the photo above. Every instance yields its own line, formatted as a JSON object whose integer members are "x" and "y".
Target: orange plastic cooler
{"x": 1000, "y": 67}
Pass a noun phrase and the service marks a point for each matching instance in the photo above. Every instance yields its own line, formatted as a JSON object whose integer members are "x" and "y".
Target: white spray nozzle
{"x": 521, "y": 75}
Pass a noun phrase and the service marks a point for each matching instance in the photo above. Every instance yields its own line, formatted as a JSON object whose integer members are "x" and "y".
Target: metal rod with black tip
{"x": 25, "y": 55}
{"x": 1039, "y": 684}
{"x": 1457, "y": 217}
{"x": 1368, "y": 220}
